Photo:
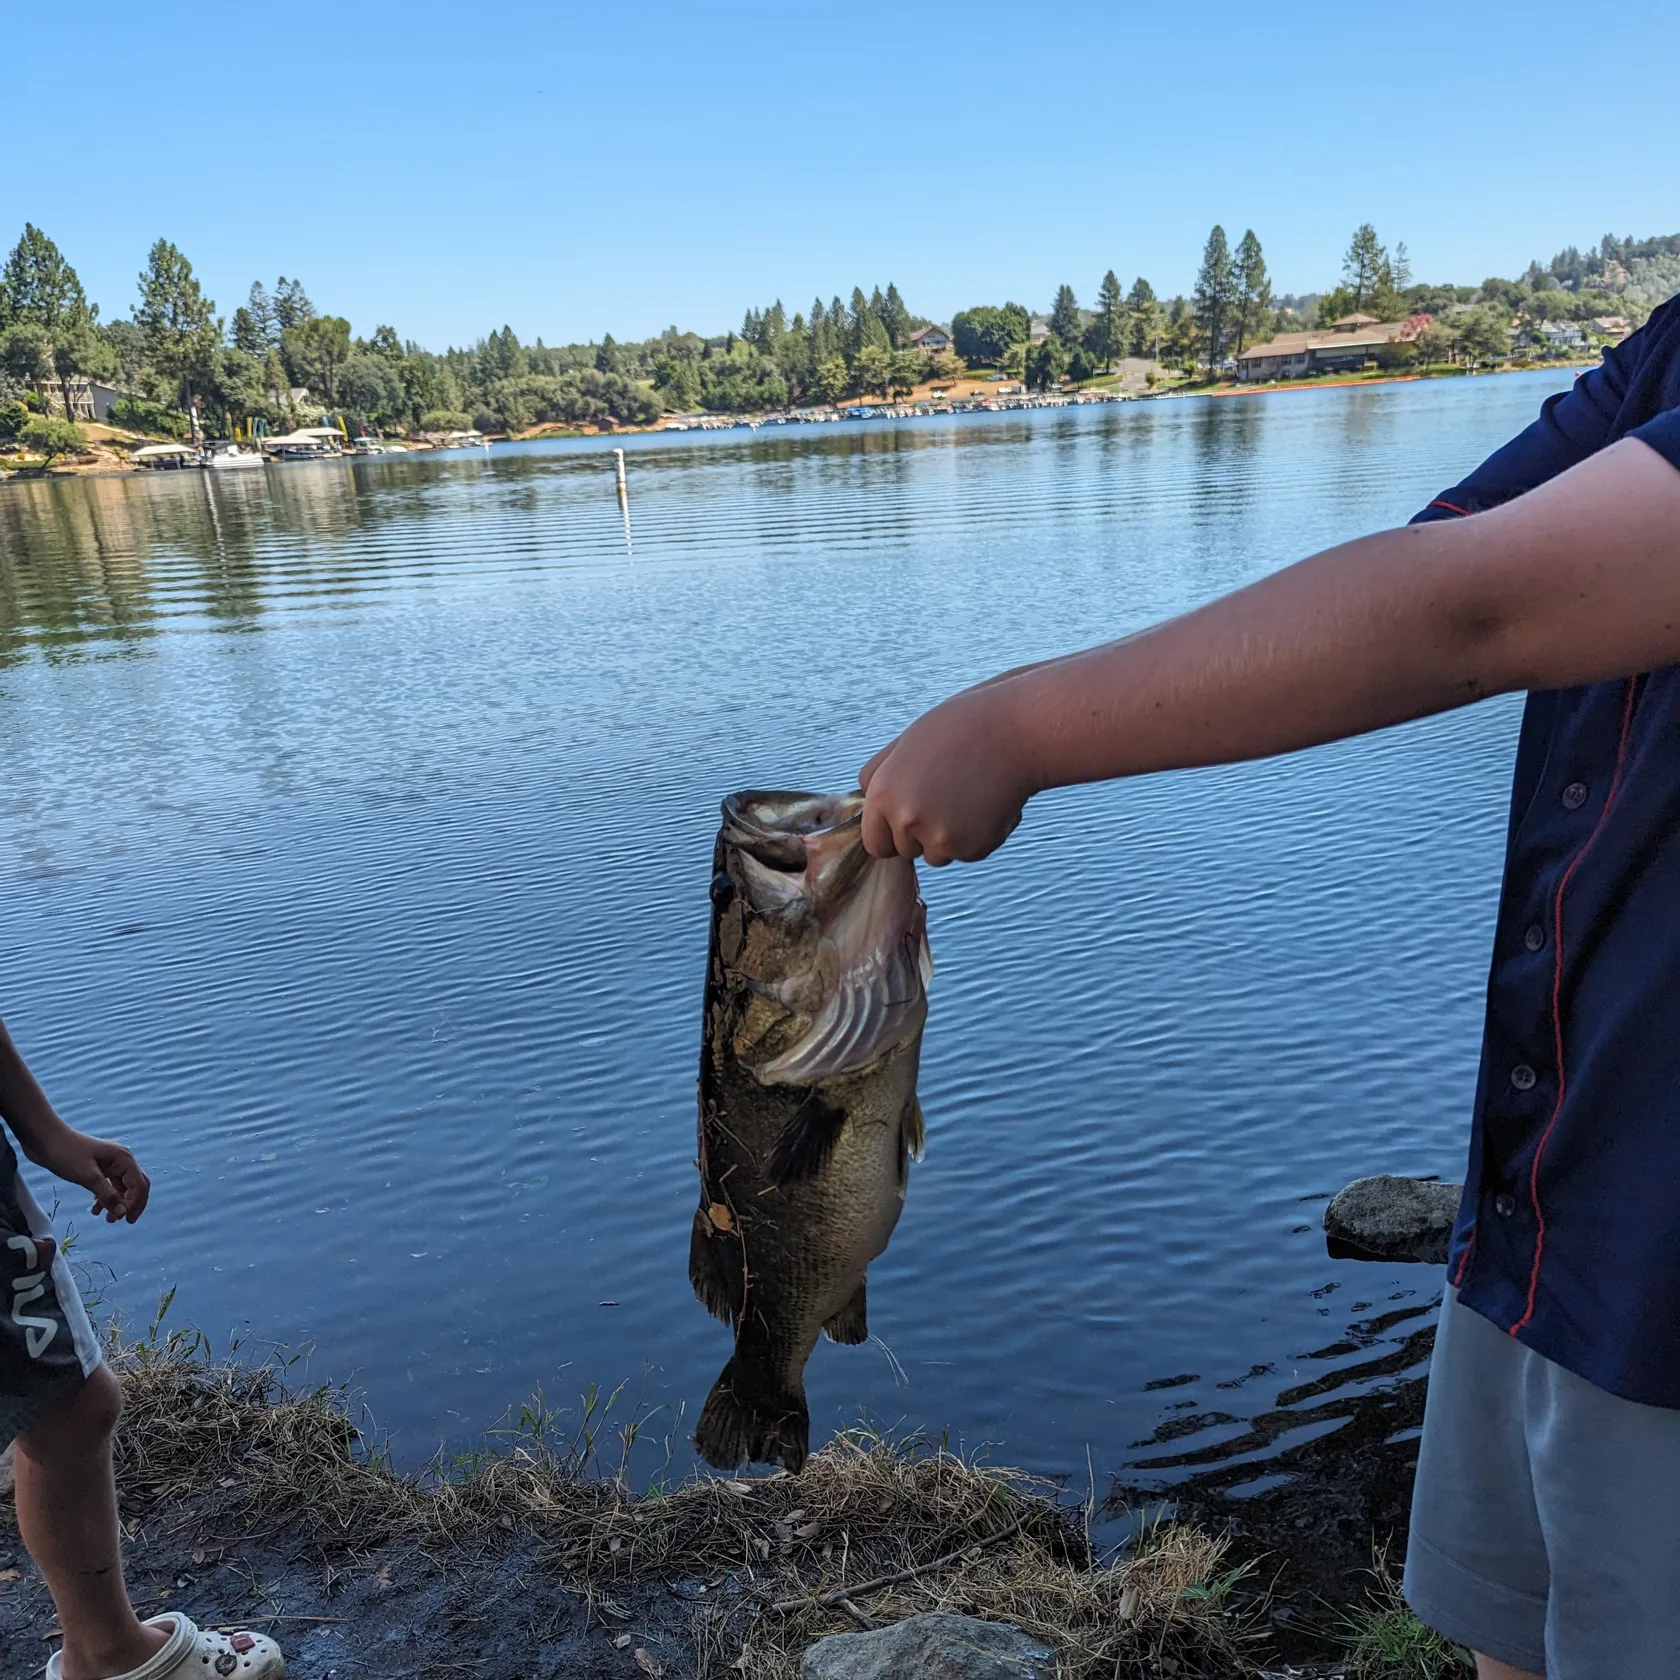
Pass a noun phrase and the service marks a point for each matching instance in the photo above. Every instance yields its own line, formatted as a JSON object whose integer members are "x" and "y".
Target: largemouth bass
{"x": 816, "y": 994}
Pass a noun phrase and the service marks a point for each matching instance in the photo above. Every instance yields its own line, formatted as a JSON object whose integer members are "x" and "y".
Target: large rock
{"x": 1392, "y": 1219}
{"x": 937, "y": 1646}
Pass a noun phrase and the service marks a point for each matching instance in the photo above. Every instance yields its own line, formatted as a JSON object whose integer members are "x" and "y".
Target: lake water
{"x": 354, "y": 845}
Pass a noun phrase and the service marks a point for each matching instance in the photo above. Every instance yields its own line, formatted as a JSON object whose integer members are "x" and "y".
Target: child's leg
{"x": 67, "y": 1516}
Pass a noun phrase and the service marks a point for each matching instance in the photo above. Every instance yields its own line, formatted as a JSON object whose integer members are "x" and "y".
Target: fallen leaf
{"x": 763, "y": 1547}
{"x": 622, "y": 1641}
{"x": 793, "y": 1516}
{"x": 615, "y": 1544}
{"x": 722, "y": 1219}
{"x": 11, "y": 1574}
{"x": 506, "y": 1521}
{"x": 740, "y": 1489}
{"x": 1128, "y": 1604}
{"x": 884, "y": 1503}
{"x": 648, "y": 1663}
{"x": 809, "y": 1532}
{"x": 198, "y": 1554}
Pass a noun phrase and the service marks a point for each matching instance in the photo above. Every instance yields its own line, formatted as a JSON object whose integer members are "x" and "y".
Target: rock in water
{"x": 1387, "y": 1218}
{"x": 937, "y": 1646}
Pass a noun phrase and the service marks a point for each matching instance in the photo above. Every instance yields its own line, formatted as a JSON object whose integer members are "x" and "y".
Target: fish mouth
{"x": 861, "y": 962}
{"x": 774, "y": 826}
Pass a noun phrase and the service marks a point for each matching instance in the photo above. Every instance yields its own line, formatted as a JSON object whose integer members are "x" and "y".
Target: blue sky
{"x": 576, "y": 170}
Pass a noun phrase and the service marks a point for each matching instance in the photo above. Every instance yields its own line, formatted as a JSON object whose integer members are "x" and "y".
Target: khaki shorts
{"x": 47, "y": 1347}
{"x": 1546, "y": 1515}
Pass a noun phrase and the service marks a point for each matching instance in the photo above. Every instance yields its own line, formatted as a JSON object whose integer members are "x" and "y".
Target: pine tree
{"x": 1402, "y": 267}
{"x": 291, "y": 304}
{"x": 1065, "y": 321}
{"x": 38, "y": 288}
{"x": 1144, "y": 311}
{"x": 38, "y": 285}
{"x": 1214, "y": 296}
{"x": 1252, "y": 287}
{"x": 260, "y": 307}
{"x": 856, "y": 321}
{"x": 1365, "y": 267}
{"x": 1109, "y": 339}
{"x": 896, "y": 318}
{"x": 177, "y": 319}
{"x": 246, "y": 334}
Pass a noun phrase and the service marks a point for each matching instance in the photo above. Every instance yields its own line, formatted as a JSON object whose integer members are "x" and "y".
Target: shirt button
{"x": 1523, "y": 1076}
{"x": 1575, "y": 796}
{"x": 1535, "y": 937}
{"x": 1504, "y": 1205}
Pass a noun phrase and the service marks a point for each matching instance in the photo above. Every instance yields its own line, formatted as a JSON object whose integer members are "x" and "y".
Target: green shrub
{"x": 13, "y": 417}
{"x": 444, "y": 420}
{"x": 142, "y": 416}
{"x": 50, "y": 437}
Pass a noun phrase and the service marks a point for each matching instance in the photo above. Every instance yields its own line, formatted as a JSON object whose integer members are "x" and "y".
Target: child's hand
{"x": 952, "y": 786}
{"x": 120, "y": 1189}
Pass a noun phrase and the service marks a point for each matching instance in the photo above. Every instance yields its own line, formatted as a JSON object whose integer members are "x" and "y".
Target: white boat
{"x": 166, "y": 457}
{"x": 234, "y": 457}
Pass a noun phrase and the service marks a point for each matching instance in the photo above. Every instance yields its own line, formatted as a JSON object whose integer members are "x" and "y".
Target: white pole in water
{"x": 623, "y": 497}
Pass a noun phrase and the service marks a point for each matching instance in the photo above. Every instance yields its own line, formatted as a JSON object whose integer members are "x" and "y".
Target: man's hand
{"x": 952, "y": 786}
{"x": 120, "y": 1189}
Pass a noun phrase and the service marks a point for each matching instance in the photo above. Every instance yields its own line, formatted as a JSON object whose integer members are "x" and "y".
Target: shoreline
{"x": 246, "y": 1504}
{"x": 757, "y": 422}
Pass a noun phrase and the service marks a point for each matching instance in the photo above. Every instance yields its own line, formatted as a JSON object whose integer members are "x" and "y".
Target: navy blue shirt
{"x": 1569, "y": 1232}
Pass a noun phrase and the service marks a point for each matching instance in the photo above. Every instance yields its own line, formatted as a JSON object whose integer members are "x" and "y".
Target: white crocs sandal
{"x": 189, "y": 1654}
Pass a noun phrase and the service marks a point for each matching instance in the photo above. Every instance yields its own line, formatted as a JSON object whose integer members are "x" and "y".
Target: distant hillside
{"x": 1643, "y": 271}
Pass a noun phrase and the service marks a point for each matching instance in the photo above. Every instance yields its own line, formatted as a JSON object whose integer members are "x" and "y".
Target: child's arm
{"x": 107, "y": 1169}
{"x": 1576, "y": 582}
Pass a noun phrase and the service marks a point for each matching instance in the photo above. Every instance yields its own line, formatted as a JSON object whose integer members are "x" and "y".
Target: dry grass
{"x": 785, "y": 1559}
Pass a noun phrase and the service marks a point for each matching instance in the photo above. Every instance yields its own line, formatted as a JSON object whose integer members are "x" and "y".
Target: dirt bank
{"x": 245, "y": 1505}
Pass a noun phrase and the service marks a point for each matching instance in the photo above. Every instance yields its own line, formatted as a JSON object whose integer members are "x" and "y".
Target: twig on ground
{"x": 839, "y": 1595}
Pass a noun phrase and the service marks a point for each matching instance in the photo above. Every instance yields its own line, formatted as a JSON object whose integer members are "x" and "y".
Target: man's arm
{"x": 1576, "y": 582}
{"x": 107, "y": 1169}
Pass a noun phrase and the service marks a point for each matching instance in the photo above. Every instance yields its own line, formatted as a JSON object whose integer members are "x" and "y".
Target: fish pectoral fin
{"x": 851, "y": 1323}
{"x": 714, "y": 1268}
{"x": 747, "y": 1416}
{"x": 915, "y": 1131}
{"x": 807, "y": 1141}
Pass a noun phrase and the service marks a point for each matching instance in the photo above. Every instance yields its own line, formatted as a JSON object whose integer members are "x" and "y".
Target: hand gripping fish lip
{"x": 800, "y": 856}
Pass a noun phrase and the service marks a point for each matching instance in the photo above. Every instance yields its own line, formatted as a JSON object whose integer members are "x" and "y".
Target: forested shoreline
{"x": 278, "y": 360}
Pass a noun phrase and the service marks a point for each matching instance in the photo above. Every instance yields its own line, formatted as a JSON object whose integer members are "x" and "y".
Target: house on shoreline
{"x": 90, "y": 400}
{"x": 1343, "y": 347}
{"x": 931, "y": 339}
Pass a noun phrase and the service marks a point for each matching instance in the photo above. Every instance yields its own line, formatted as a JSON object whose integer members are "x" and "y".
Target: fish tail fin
{"x": 851, "y": 1323}
{"x": 746, "y": 1418}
